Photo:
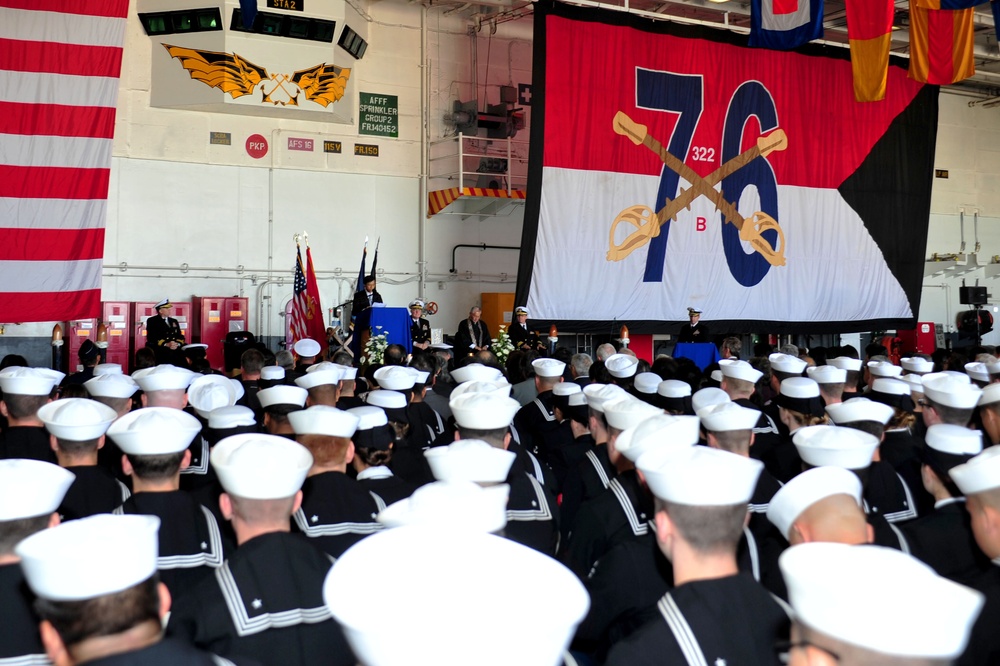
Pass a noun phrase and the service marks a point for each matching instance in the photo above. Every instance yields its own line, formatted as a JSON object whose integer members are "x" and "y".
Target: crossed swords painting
{"x": 229, "y": 72}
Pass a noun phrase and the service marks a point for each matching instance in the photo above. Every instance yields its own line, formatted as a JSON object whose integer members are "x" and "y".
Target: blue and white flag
{"x": 785, "y": 24}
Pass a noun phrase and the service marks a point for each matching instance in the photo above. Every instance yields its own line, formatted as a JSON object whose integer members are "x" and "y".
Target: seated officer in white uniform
{"x": 337, "y": 511}
{"x": 266, "y": 599}
{"x": 714, "y": 614}
{"x": 77, "y": 427}
{"x": 99, "y": 596}
{"x": 858, "y": 606}
{"x": 30, "y": 493}
{"x": 155, "y": 443}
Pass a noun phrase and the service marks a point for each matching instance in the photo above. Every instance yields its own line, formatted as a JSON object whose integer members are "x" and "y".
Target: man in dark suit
{"x": 366, "y": 297}
{"x": 472, "y": 334}
{"x": 164, "y": 336}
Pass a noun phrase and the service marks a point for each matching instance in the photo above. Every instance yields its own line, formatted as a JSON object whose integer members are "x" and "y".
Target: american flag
{"x": 300, "y": 301}
{"x": 59, "y": 66}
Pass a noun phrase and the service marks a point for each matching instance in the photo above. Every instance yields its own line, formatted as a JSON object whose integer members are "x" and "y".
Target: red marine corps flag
{"x": 59, "y": 68}
{"x": 672, "y": 166}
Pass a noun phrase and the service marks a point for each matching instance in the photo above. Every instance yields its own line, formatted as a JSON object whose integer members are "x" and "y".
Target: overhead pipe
{"x": 482, "y": 248}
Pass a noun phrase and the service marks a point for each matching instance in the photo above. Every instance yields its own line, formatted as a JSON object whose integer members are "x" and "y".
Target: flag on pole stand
{"x": 315, "y": 328}
{"x": 361, "y": 273}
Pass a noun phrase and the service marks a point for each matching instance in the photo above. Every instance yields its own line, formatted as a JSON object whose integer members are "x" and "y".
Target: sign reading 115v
{"x": 378, "y": 115}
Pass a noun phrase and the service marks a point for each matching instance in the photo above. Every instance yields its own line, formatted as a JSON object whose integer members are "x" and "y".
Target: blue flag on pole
{"x": 785, "y": 24}
{"x": 248, "y": 10}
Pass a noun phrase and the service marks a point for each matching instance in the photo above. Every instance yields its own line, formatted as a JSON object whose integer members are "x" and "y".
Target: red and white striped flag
{"x": 60, "y": 62}
{"x": 307, "y": 313}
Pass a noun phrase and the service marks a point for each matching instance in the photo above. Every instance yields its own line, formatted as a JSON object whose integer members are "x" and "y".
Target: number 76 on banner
{"x": 682, "y": 94}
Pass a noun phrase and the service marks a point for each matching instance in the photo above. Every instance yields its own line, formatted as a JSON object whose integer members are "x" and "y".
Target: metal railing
{"x": 475, "y": 161}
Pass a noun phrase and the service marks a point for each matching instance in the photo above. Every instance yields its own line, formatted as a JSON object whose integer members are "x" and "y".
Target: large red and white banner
{"x": 674, "y": 167}
{"x": 60, "y": 62}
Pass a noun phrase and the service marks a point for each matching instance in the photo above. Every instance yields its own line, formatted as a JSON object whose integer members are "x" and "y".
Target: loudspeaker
{"x": 972, "y": 295}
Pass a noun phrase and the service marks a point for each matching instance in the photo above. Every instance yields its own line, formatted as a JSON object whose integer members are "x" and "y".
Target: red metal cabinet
{"x": 922, "y": 339}
{"x": 117, "y": 317}
{"x": 212, "y": 318}
{"x": 77, "y": 331}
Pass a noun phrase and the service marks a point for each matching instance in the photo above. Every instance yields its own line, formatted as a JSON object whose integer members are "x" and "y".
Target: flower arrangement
{"x": 375, "y": 348}
{"x": 502, "y": 346}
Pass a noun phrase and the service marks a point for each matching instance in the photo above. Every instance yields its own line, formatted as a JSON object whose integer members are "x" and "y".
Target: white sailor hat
{"x": 917, "y": 365}
{"x": 386, "y": 399}
{"x": 443, "y": 574}
{"x": 993, "y": 367}
{"x": 76, "y": 419}
{"x": 111, "y": 386}
{"x": 154, "y": 431}
{"x": 978, "y": 372}
{"x": 235, "y": 416}
{"x": 693, "y": 310}
{"x": 990, "y": 394}
{"x": 347, "y": 372}
{"x": 599, "y": 395}
{"x": 954, "y": 440}
{"x": 954, "y": 374}
{"x": 30, "y": 488}
{"x": 108, "y": 369}
{"x": 501, "y": 388}
{"x": 908, "y": 610}
{"x": 256, "y": 466}
{"x": 209, "y": 392}
{"x": 660, "y": 430}
{"x": 483, "y": 411}
{"x": 951, "y": 392}
{"x": 461, "y": 505}
{"x": 18, "y": 380}
{"x": 548, "y": 367}
{"x": 915, "y": 381}
{"x": 846, "y": 363}
{"x": 716, "y": 376}
{"x": 420, "y": 376}
{"x": 416, "y": 304}
{"x": 628, "y": 412}
{"x": 699, "y": 476}
{"x": 786, "y": 363}
{"x": 476, "y": 372}
{"x": 324, "y": 377}
{"x": 91, "y": 557}
{"x": 645, "y": 383}
{"x": 306, "y": 347}
{"x": 238, "y": 387}
{"x": 442, "y": 345}
{"x": 980, "y": 474}
{"x": 323, "y": 420}
{"x": 727, "y": 416}
{"x": 165, "y": 303}
{"x": 884, "y": 369}
{"x": 374, "y": 431}
{"x": 395, "y": 377}
{"x": 621, "y": 365}
{"x": 521, "y": 310}
{"x": 566, "y": 389}
{"x": 888, "y": 386}
{"x": 282, "y": 395}
{"x": 827, "y": 374}
{"x": 739, "y": 370}
{"x": 860, "y": 409}
{"x": 470, "y": 460}
{"x": 272, "y": 373}
{"x": 194, "y": 345}
{"x": 673, "y": 388}
{"x": 806, "y": 489}
{"x": 800, "y": 394}
{"x": 164, "y": 378}
{"x": 823, "y": 445}
{"x": 707, "y": 397}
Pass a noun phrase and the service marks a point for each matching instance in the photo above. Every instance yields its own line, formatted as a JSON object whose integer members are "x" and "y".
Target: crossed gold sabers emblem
{"x": 647, "y": 224}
